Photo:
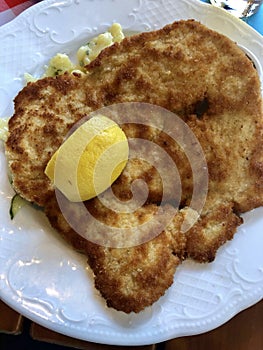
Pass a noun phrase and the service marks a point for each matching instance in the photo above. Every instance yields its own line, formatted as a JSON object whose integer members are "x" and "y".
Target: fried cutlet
{"x": 132, "y": 277}
{"x": 190, "y": 70}
{"x": 165, "y": 68}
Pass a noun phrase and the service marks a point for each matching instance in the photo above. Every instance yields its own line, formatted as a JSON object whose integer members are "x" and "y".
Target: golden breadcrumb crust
{"x": 190, "y": 70}
{"x": 131, "y": 278}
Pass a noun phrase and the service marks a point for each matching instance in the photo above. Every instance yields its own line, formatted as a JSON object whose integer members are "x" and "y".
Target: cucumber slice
{"x": 17, "y": 203}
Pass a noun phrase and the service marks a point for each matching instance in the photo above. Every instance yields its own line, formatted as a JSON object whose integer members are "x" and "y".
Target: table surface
{"x": 243, "y": 332}
{"x": 255, "y": 21}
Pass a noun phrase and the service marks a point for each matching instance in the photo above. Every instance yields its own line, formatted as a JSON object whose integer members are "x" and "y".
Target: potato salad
{"x": 61, "y": 63}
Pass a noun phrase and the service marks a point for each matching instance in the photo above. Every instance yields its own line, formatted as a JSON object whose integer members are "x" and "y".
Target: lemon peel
{"x": 90, "y": 160}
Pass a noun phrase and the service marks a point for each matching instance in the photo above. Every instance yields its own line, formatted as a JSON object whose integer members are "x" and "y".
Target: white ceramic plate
{"x": 44, "y": 279}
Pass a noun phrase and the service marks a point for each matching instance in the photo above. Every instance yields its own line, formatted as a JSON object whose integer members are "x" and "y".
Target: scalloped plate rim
{"x": 161, "y": 335}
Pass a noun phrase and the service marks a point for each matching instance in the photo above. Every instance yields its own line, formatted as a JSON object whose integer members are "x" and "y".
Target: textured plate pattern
{"x": 40, "y": 276}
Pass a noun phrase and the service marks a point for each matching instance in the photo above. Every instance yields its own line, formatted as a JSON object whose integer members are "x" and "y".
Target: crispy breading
{"x": 129, "y": 278}
{"x": 211, "y": 231}
{"x": 180, "y": 76}
{"x": 190, "y": 70}
{"x": 132, "y": 278}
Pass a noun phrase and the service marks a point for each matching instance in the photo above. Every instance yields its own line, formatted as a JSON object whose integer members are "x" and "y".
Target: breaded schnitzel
{"x": 132, "y": 278}
{"x": 187, "y": 69}
{"x": 128, "y": 278}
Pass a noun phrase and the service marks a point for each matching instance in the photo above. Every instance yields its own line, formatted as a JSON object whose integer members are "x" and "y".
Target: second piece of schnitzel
{"x": 212, "y": 86}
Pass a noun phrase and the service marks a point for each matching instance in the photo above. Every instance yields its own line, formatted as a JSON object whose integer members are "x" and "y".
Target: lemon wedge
{"x": 90, "y": 160}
